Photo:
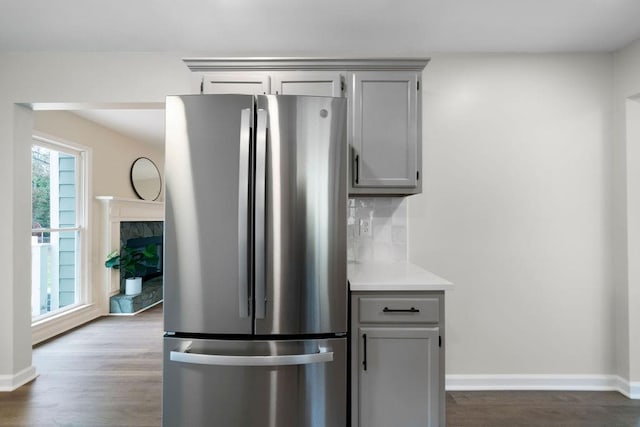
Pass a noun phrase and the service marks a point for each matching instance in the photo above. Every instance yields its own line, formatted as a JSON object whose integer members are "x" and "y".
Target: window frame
{"x": 84, "y": 294}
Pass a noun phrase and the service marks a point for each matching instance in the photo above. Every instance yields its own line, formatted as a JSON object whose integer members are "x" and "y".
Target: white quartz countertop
{"x": 393, "y": 276}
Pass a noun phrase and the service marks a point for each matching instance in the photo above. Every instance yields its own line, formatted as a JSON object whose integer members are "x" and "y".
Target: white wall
{"x": 515, "y": 210}
{"x": 626, "y": 145}
{"x": 55, "y": 77}
{"x": 632, "y": 115}
{"x": 113, "y": 153}
{"x": 18, "y": 260}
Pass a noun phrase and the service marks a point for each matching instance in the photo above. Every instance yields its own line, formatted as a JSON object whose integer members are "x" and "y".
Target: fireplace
{"x": 135, "y": 225}
{"x": 140, "y": 237}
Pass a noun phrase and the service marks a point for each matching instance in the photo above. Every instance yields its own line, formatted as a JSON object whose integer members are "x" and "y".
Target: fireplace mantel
{"x": 114, "y": 211}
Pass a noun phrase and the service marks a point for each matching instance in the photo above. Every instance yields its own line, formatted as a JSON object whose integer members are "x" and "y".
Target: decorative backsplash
{"x": 387, "y": 222}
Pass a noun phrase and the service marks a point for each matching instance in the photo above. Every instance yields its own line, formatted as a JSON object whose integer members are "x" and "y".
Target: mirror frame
{"x": 133, "y": 185}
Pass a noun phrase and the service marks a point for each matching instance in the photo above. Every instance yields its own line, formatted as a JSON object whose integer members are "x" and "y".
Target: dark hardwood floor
{"x": 108, "y": 373}
{"x": 541, "y": 409}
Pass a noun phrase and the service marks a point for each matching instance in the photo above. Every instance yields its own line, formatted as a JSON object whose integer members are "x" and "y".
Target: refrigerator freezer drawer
{"x": 230, "y": 383}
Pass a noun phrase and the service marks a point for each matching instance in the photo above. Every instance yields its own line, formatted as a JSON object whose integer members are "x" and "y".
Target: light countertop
{"x": 393, "y": 276}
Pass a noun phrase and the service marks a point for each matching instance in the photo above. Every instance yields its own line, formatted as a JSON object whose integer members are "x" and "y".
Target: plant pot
{"x": 133, "y": 286}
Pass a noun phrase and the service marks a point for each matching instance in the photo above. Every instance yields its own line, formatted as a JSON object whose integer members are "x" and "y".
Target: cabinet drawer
{"x": 399, "y": 310}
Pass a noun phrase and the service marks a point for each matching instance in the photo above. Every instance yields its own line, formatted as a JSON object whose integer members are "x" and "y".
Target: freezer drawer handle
{"x": 322, "y": 356}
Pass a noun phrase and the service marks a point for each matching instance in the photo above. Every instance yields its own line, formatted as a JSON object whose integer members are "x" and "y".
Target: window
{"x": 57, "y": 234}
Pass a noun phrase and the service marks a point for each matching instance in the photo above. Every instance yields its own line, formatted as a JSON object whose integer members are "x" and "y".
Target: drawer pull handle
{"x": 364, "y": 359}
{"x": 400, "y": 310}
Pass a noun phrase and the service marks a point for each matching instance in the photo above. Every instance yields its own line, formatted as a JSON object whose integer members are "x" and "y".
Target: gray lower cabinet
{"x": 397, "y": 359}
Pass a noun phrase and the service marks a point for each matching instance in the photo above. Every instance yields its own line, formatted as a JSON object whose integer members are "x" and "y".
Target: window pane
{"x": 54, "y": 253}
{"x": 53, "y": 272}
{"x": 40, "y": 187}
{"x": 54, "y": 188}
{"x": 66, "y": 191}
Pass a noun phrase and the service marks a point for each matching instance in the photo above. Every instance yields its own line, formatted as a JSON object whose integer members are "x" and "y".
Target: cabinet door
{"x": 385, "y": 132}
{"x": 313, "y": 83}
{"x": 245, "y": 83}
{"x": 399, "y": 377}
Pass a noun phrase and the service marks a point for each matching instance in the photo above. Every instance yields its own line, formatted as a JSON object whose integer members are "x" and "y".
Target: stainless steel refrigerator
{"x": 255, "y": 302}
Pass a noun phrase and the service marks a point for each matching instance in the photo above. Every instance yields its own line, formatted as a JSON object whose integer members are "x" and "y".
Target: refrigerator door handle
{"x": 243, "y": 213}
{"x": 322, "y": 356}
{"x": 260, "y": 212}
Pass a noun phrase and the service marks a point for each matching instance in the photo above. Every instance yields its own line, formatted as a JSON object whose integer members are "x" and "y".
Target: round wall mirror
{"x": 145, "y": 179}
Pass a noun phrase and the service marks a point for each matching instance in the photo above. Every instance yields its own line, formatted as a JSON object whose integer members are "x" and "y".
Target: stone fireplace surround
{"x": 114, "y": 211}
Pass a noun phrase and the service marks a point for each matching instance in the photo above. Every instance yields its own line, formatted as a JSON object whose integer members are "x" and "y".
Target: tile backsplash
{"x": 387, "y": 219}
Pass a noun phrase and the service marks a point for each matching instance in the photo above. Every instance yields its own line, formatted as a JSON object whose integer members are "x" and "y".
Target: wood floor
{"x": 108, "y": 373}
{"x": 541, "y": 409}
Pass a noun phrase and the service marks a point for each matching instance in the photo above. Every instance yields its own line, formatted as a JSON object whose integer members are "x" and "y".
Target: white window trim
{"x": 86, "y": 308}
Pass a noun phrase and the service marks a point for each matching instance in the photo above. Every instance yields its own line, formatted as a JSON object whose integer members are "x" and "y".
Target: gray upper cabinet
{"x": 384, "y": 122}
{"x": 385, "y": 132}
{"x": 313, "y": 83}
{"x": 246, "y": 83}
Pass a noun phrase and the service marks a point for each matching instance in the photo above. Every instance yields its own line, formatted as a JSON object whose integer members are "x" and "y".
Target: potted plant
{"x": 133, "y": 262}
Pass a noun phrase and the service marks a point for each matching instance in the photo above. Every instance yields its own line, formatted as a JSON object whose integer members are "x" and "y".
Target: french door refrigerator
{"x": 255, "y": 303}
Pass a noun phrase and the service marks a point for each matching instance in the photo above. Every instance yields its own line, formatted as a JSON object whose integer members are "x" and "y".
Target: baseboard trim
{"x": 631, "y": 389}
{"x": 50, "y": 327}
{"x": 139, "y": 311}
{"x": 634, "y": 390}
{"x": 12, "y": 382}
{"x": 543, "y": 382}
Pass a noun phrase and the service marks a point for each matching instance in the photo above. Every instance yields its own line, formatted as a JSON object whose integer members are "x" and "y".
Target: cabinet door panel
{"x": 385, "y": 130}
{"x": 246, "y": 83}
{"x": 312, "y": 83}
{"x": 399, "y": 386}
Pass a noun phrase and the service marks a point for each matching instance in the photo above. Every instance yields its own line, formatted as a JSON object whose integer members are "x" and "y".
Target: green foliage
{"x": 133, "y": 261}
{"x": 40, "y": 187}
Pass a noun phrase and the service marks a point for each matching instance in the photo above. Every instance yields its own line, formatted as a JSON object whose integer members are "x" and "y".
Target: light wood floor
{"x": 108, "y": 373}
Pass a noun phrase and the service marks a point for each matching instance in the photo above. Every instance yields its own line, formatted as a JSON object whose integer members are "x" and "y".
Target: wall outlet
{"x": 365, "y": 227}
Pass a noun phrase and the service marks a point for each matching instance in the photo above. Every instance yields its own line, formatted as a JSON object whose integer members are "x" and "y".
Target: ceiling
{"x": 327, "y": 28}
{"x": 318, "y": 28}
{"x": 142, "y": 125}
